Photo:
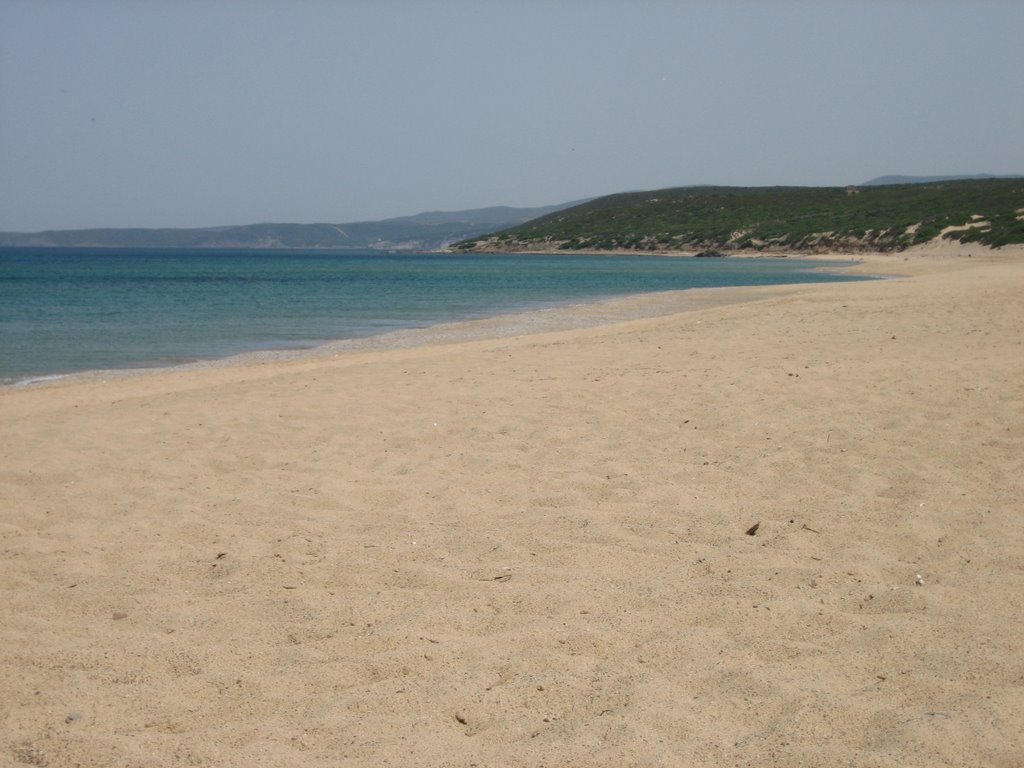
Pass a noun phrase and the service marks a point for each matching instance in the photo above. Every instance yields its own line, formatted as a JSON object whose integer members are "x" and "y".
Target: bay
{"x": 65, "y": 310}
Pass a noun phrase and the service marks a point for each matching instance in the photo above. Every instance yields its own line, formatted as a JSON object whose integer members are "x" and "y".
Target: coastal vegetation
{"x": 881, "y": 218}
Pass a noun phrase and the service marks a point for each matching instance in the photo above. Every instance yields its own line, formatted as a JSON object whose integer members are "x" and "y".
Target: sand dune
{"x": 532, "y": 550}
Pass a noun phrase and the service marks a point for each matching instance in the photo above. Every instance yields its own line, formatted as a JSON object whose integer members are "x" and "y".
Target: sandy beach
{"x": 784, "y": 527}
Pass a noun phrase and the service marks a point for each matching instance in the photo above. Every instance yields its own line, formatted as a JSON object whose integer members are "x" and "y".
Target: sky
{"x": 194, "y": 113}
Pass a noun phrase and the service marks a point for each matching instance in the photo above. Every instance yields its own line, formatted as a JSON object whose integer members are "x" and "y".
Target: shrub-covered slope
{"x": 989, "y": 212}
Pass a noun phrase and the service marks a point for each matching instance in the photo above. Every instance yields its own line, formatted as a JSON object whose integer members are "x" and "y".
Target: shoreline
{"x": 878, "y": 265}
{"x": 568, "y": 317}
{"x": 561, "y": 316}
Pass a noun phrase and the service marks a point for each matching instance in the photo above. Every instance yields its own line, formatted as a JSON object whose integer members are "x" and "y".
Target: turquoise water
{"x": 73, "y": 309}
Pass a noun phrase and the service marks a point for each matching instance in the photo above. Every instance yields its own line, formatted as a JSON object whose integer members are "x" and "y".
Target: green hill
{"x": 989, "y": 212}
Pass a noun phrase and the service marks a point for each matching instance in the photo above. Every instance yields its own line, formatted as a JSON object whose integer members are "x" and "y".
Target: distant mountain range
{"x": 422, "y": 232}
{"x": 885, "y": 180}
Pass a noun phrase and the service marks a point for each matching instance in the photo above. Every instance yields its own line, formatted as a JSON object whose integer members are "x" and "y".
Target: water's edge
{"x": 566, "y": 316}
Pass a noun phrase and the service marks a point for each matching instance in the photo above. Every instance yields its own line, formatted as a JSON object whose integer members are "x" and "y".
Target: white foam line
{"x": 39, "y": 379}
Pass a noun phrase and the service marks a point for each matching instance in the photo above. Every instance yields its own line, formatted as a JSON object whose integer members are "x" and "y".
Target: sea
{"x": 68, "y": 310}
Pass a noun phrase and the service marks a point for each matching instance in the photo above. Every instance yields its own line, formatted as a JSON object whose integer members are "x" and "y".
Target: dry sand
{"x": 531, "y": 551}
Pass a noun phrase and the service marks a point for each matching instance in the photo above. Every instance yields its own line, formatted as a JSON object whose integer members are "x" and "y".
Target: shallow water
{"x": 65, "y": 310}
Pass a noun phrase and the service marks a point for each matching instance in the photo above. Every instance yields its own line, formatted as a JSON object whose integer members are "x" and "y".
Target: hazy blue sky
{"x": 203, "y": 112}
